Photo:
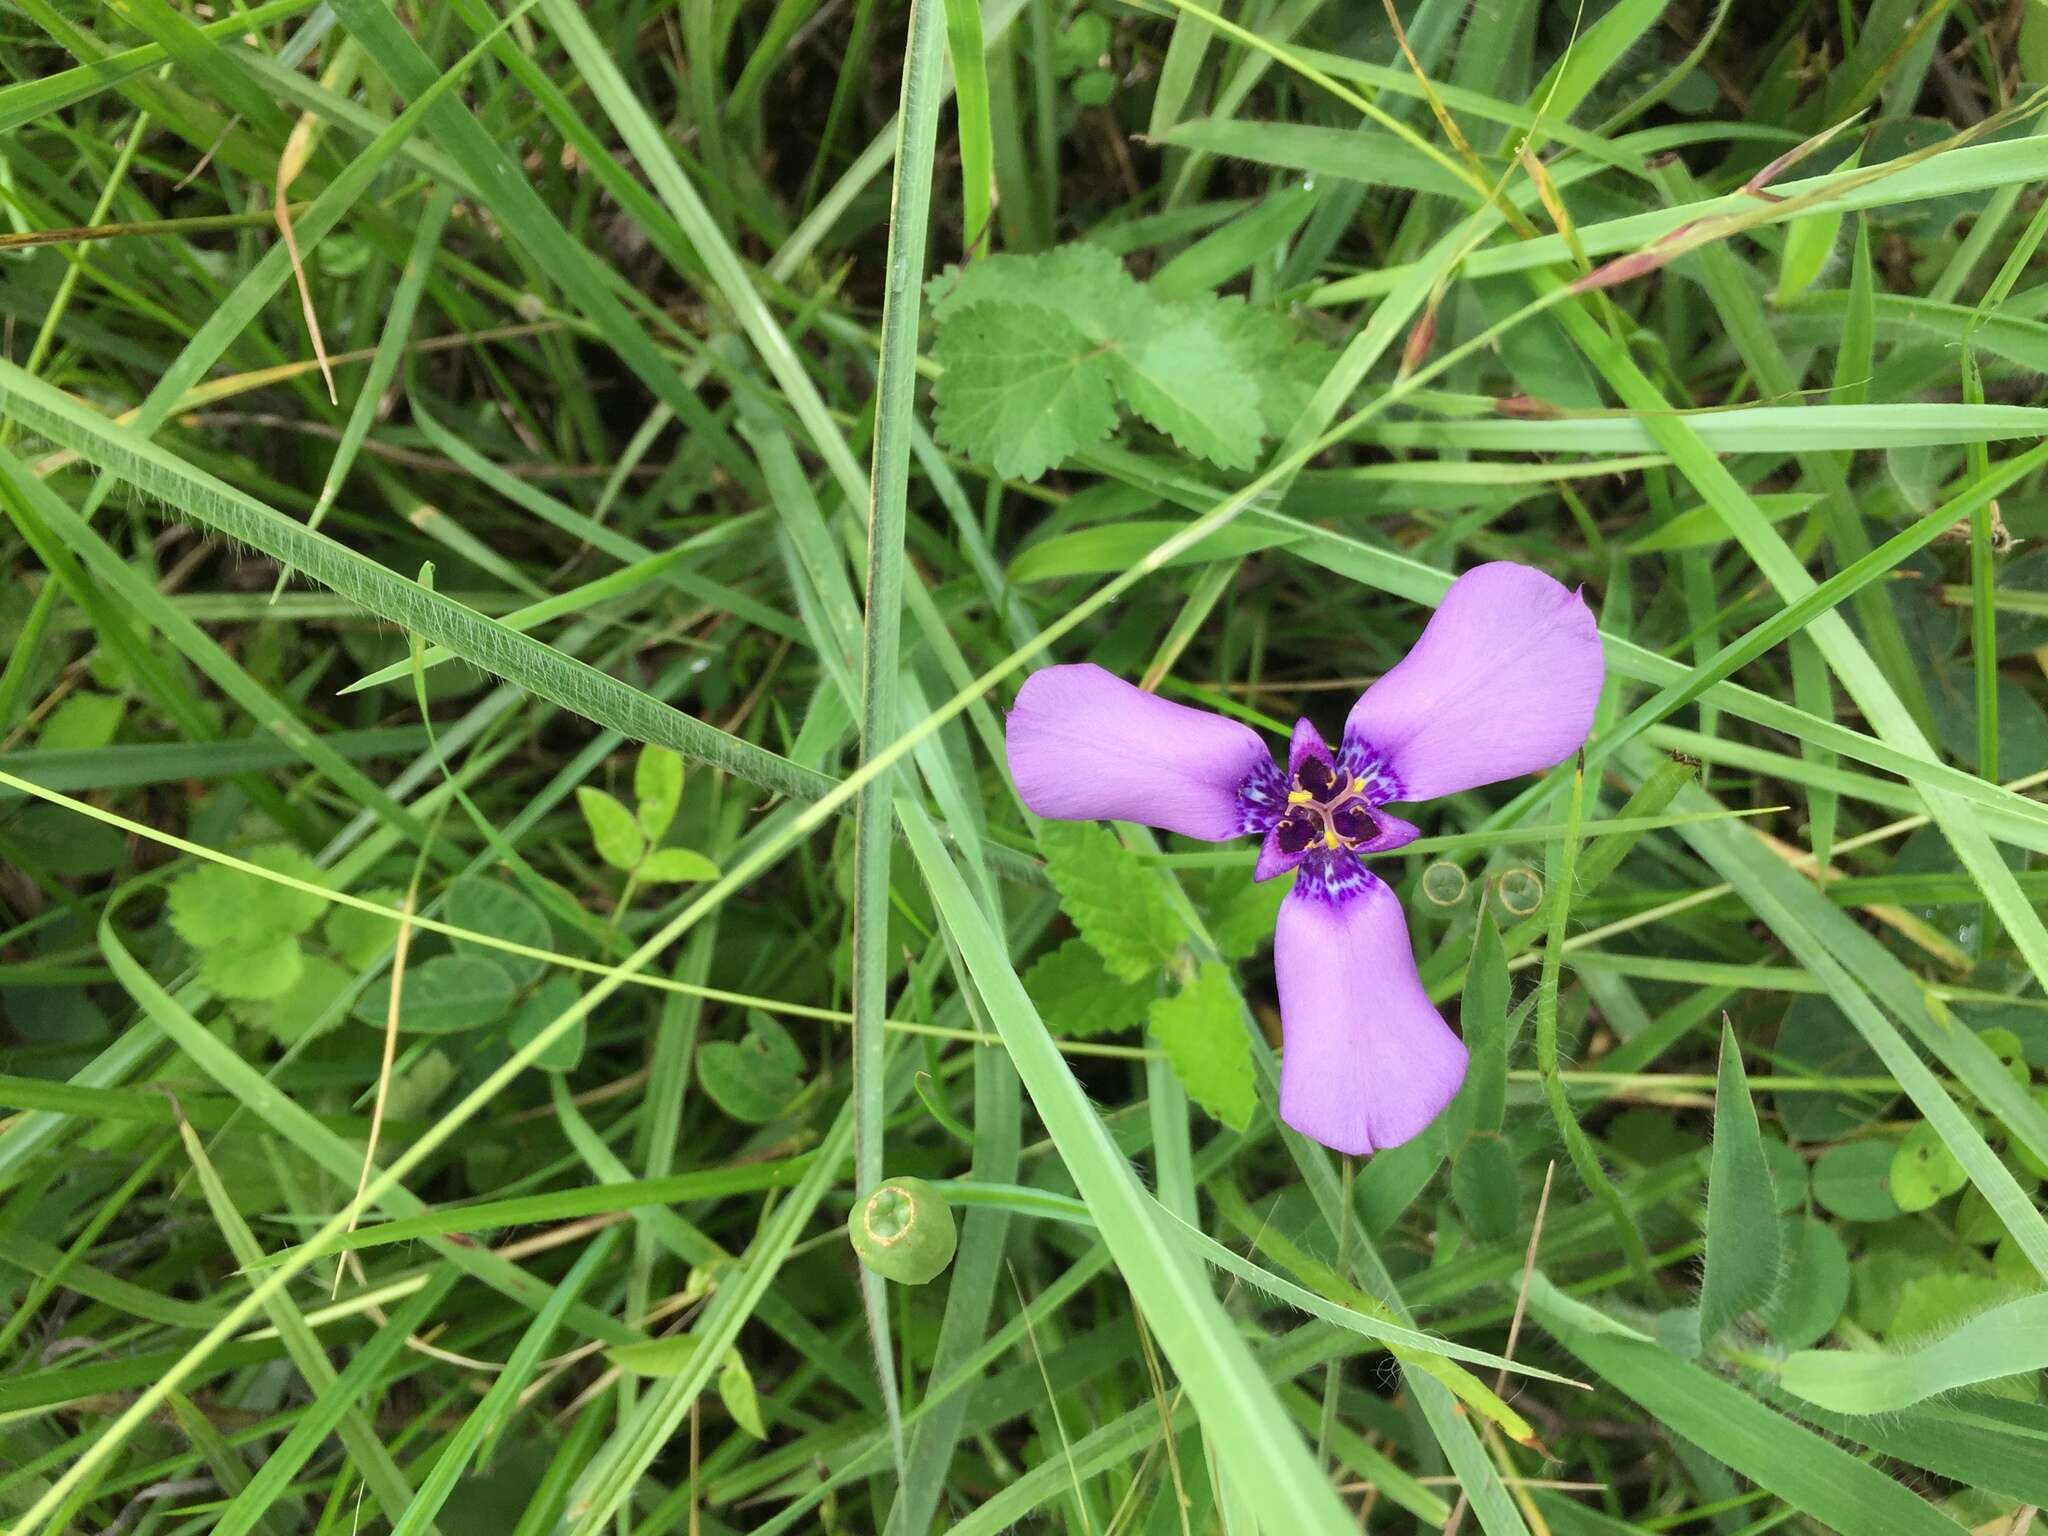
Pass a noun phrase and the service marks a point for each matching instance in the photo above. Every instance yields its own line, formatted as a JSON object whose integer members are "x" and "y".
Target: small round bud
{"x": 1444, "y": 884}
{"x": 903, "y": 1231}
{"x": 1520, "y": 890}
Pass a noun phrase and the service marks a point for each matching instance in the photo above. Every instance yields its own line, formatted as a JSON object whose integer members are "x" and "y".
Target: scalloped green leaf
{"x": 363, "y": 938}
{"x": 1201, "y": 1029}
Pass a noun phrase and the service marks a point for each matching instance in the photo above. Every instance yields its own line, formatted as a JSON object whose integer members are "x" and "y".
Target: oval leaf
{"x": 492, "y": 907}
{"x": 547, "y": 1003}
{"x": 1815, "y": 1290}
{"x": 1923, "y": 1170}
{"x": 1854, "y": 1181}
{"x": 752, "y": 1079}
{"x": 658, "y": 786}
{"x": 443, "y": 996}
{"x": 675, "y": 866}
{"x": 736, "y": 1390}
{"x": 656, "y": 1357}
{"x": 613, "y": 831}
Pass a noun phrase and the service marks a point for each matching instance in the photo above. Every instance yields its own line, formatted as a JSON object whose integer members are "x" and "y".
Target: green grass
{"x": 647, "y": 461}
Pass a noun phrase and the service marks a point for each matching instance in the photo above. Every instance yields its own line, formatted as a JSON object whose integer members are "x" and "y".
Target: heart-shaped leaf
{"x": 752, "y": 1079}
{"x": 1923, "y": 1169}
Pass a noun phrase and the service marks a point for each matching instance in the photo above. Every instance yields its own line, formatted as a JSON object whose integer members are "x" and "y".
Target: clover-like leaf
{"x": 2022, "y": 1153}
{"x": 658, "y": 786}
{"x": 2010, "y": 1051}
{"x": 1923, "y": 1169}
{"x": 1815, "y": 1287}
{"x": 1853, "y": 1181}
{"x": 613, "y": 830}
{"x": 414, "y": 1089}
{"x": 677, "y": 866}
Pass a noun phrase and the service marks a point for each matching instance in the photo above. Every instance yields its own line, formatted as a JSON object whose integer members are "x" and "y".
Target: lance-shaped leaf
{"x": 1742, "y": 1215}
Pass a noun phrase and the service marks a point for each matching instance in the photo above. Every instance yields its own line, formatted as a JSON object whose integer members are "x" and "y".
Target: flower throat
{"x": 1325, "y": 809}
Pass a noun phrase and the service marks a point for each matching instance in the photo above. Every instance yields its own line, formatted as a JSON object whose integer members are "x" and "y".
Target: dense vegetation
{"x": 522, "y": 522}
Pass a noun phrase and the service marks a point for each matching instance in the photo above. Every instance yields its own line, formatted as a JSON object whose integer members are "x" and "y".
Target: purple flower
{"x": 1503, "y": 682}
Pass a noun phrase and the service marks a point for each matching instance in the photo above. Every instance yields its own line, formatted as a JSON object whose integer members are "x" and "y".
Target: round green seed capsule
{"x": 1520, "y": 890}
{"x": 903, "y": 1231}
{"x": 1443, "y": 884}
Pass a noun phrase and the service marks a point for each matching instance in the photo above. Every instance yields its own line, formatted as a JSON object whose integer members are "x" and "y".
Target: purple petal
{"x": 1085, "y": 744}
{"x": 1307, "y": 742}
{"x": 1502, "y": 683}
{"x": 1393, "y": 833}
{"x": 1369, "y": 1062}
{"x": 1275, "y": 860}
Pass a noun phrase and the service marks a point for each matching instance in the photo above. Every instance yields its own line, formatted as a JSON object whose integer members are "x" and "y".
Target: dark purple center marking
{"x": 1327, "y": 809}
{"x": 1297, "y": 832}
{"x": 1353, "y": 822}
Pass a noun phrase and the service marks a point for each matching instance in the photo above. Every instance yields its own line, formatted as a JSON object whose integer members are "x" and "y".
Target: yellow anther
{"x": 1330, "y": 840}
{"x": 1299, "y": 797}
{"x": 1358, "y": 786}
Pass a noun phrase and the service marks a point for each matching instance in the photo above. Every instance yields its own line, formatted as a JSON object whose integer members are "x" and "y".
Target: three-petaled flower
{"x": 1503, "y": 682}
